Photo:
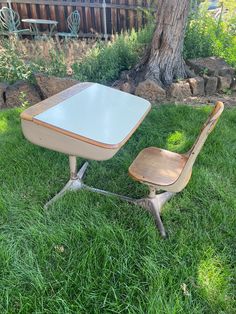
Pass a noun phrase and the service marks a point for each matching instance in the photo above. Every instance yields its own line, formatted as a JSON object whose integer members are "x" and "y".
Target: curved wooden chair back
{"x": 207, "y": 128}
{"x": 9, "y": 19}
{"x": 73, "y": 21}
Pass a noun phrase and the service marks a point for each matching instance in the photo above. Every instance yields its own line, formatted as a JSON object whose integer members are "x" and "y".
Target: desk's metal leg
{"x": 75, "y": 182}
{"x": 153, "y": 203}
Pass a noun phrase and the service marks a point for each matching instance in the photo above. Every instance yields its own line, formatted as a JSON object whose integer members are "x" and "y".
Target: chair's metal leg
{"x": 154, "y": 204}
{"x": 162, "y": 198}
{"x": 156, "y": 214}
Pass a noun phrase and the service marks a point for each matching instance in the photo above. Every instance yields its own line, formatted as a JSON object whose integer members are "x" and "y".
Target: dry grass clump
{"x": 32, "y": 50}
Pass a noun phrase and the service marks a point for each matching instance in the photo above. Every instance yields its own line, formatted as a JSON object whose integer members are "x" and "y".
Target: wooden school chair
{"x": 163, "y": 170}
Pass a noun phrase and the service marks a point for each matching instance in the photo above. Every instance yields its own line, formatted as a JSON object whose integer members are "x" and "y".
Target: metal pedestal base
{"x": 153, "y": 203}
{"x": 74, "y": 184}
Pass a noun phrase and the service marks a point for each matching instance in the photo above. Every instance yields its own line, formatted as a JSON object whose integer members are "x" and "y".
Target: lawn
{"x": 94, "y": 254}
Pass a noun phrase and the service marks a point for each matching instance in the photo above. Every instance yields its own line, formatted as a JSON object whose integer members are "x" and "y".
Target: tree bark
{"x": 163, "y": 61}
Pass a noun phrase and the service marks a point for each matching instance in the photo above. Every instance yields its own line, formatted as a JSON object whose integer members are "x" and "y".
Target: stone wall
{"x": 210, "y": 76}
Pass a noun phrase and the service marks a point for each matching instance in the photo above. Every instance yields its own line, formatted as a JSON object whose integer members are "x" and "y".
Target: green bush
{"x": 55, "y": 65}
{"x": 99, "y": 65}
{"x": 13, "y": 67}
{"x": 102, "y": 64}
{"x": 105, "y": 62}
{"x": 206, "y": 36}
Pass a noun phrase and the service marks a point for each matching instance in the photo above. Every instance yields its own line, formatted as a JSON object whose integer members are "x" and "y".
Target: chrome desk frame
{"x": 153, "y": 203}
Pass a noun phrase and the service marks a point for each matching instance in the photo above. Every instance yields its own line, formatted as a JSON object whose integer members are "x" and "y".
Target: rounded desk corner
{"x": 25, "y": 116}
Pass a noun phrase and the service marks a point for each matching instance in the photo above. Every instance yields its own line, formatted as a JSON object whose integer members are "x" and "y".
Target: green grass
{"x": 114, "y": 260}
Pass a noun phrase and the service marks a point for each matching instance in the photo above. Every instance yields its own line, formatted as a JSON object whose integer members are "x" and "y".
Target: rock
{"x": 51, "y": 85}
{"x": 150, "y": 90}
{"x": 19, "y": 93}
{"x": 127, "y": 87}
{"x": 197, "y": 86}
{"x": 189, "y": 72}
{"x": 233, "y": 84}
{"x": 224, "y": 83}
{"x": 210, "y": 84}
{"x": 179, "y": 90}
{"x": 124, "y": 75}
{"x": 3, "y": 87}
{"x": 211, "y": 66}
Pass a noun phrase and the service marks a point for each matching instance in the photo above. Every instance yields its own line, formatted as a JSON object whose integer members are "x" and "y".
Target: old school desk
{"x": 88, "y": 120}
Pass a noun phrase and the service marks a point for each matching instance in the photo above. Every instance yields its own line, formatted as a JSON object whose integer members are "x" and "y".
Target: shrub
{"x": 12, "y": 66}
{"x": 144, "y": 35}
{"x": 105, "y": 62}
{"x": 54, "y": 65}
{"x": 207, "y": 36}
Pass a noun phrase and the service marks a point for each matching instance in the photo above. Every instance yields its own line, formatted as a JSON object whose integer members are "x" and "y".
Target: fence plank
{"x": 121, "y": 14}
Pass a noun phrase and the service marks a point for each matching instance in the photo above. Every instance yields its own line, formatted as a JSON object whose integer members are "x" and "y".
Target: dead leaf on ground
{"x": 59, "y": 248}
{"x": 185, "y": 290}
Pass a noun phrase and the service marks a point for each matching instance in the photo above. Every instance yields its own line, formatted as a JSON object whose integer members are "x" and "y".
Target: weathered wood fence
{"x": 121, "y": 15}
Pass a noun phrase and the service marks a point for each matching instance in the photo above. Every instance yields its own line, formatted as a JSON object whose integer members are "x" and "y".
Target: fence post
{"x": 104, "y": 19}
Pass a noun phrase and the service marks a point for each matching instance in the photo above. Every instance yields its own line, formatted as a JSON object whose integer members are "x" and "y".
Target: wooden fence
{"x": 120, "y": 15}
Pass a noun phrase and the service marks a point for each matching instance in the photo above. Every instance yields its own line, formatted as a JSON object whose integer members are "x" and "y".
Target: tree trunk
{"x": 164, "y": 62}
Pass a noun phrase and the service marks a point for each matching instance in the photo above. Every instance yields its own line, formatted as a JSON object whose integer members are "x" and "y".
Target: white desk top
{"x": 98, "y": 113}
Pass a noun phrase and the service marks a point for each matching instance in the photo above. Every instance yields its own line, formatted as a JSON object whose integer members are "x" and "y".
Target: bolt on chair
{"x": 10, "y": 21}
{"x": 163, "y": 170}
{"x": 73, "y": 22}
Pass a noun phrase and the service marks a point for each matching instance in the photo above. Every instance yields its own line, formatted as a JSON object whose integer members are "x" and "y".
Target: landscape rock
{"x": 210, "y": 84}
{"x": 233, "y": 84}
{"x": 150, "y": 90}
{"x": 197, "y": 86}
{"x": 179, "y": 90}
{"x": 3, "y": 87}
{"x": 127, "y": 87}
{"x": 211, "y": 66}
{"x": 224, "y": 82}
{"x": 189, "y": 72}
{"x": 51, "y": 85}
{"x": 19, "y": 92}
{"x": 124, "y": 75}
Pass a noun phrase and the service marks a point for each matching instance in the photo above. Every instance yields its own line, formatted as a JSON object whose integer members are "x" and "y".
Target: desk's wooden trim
{"x": 52, "y": 101}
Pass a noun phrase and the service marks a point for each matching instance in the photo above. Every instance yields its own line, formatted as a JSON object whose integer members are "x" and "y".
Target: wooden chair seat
{"x": 157, "y": 166}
